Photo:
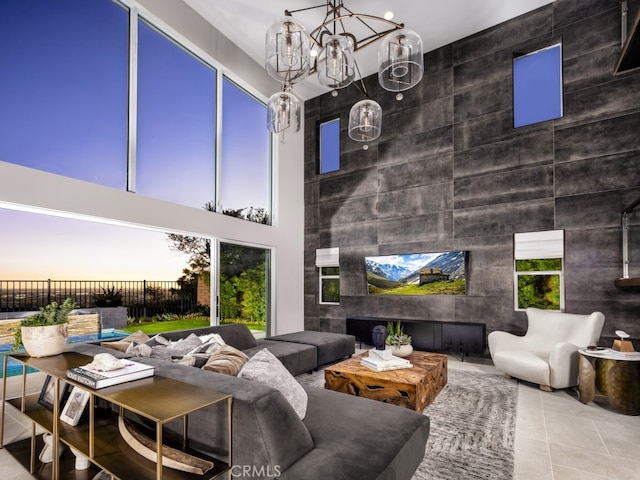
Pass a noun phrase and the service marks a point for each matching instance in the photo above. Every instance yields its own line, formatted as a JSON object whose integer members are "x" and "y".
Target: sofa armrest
{"x": 563, "y": 365}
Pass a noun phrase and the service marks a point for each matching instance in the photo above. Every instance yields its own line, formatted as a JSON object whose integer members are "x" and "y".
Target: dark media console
{"x": 429, "y": 335}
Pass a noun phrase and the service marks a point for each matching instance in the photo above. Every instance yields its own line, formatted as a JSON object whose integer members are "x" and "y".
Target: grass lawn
{"x": 182, "y": 324}
{"x": 158, "y": 327}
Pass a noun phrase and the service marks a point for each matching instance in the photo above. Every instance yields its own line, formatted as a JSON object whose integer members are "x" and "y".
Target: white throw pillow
{"x": 265, "y": 368}
{"x": 216, "y": 337}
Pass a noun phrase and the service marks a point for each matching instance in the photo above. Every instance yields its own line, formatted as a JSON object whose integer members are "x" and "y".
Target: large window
{"x": 66, "y": 93}
{"x": 245, "y": 187}
{"x": 63, "y": 101}
{"x": 176, "y": 122}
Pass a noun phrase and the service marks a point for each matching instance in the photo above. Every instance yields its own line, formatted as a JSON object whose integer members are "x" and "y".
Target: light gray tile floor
{"x": 557, "y": 437}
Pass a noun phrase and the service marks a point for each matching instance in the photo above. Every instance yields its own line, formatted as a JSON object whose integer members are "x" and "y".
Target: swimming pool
{"x": 15, "y": 368}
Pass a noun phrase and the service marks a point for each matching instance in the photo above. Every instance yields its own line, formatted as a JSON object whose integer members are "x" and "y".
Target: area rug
{"x": 472, "y": 427}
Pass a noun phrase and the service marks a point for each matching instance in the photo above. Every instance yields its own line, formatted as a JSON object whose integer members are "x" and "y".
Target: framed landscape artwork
{"x": 438, "y": 273}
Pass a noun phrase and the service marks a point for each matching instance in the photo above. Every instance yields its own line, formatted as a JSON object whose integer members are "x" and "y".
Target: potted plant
{"x": 110, "y": 297}
{"x": 398, "y": 341}
{"x": 45, "y": 333}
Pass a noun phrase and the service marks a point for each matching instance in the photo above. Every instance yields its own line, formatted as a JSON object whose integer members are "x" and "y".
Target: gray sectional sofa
{"x": 341, "y": 437}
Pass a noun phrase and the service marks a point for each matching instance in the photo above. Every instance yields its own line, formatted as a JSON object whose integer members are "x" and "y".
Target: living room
{"x": 449, "y": 172}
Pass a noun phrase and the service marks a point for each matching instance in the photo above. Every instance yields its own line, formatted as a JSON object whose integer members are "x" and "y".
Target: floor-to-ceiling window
{"x": 103, "y": 92}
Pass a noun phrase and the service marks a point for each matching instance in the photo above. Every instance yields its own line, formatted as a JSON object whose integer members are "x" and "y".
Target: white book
{"x": 99, "y": 379}
{"x": 385, "y": 365}
{"x": 380, "y": 362}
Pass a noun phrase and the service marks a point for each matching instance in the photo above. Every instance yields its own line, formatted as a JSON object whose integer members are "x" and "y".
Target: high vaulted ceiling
{"x": 438, "y": 22}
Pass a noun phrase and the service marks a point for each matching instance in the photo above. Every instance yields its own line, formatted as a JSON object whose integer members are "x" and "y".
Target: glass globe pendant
{"x": 287, "y": 51}
{"x": 283, "y": 113}
{"x": 336, "y": 62}
{"x": 400, "y": 61}
{"x": 365, "y": 121}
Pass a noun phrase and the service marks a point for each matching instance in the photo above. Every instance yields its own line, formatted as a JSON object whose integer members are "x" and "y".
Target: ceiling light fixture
{"x": 289, "y": 58}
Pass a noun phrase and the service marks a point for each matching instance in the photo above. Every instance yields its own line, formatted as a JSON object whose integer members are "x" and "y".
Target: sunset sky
{"x": 40, "y": 247}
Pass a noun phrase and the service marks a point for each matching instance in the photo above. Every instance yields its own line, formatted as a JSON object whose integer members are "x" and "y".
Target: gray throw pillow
{"x": 265, "y": 368}
{"x": 181, "y": 347}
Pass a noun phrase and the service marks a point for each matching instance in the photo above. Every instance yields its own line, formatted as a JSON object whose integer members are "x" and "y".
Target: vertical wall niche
{"x": 450, "y": 172}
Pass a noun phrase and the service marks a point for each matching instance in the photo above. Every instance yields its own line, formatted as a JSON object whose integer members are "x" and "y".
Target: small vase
{"x": 44, "y": 340}
{"x": 401, "y": 350}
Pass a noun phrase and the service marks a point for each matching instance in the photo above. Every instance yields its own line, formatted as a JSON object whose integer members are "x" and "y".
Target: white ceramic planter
{"x": 44, "y": 341}
{"x": 402, "y": 350}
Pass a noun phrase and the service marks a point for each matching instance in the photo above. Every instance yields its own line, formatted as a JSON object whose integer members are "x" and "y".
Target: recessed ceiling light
{"x": 389, "y": 15}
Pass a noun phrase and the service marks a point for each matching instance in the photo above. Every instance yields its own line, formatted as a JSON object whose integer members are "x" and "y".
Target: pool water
{"x": 15, "y": 368}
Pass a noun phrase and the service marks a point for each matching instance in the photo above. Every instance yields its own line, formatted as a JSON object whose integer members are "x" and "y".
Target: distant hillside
{"x": 450, "y": 262}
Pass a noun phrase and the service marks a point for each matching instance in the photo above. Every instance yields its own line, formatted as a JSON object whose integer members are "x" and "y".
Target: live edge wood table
{"x": 414, "y": 388}
{"x": 156, "y": 398}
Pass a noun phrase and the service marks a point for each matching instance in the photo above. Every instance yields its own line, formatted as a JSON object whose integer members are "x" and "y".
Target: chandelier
{"x": 292, "y": 54}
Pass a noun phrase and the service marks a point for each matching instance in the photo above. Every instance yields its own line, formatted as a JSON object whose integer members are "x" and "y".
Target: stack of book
{"x": 98, "y": 379}
{"x": 380, "y": 365}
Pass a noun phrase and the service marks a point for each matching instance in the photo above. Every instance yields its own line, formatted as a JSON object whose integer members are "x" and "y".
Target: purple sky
{"x": 38, "y": 247}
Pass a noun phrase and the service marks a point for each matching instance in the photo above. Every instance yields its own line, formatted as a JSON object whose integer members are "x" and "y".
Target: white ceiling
{"x": 438, "y": 22}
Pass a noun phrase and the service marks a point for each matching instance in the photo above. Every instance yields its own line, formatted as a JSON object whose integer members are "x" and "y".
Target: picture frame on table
{"x": 46, "y": 398}
{"x": 74, "y": 406}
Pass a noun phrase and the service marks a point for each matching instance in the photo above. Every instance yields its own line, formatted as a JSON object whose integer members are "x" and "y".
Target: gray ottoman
{"x": 330, "y": 346}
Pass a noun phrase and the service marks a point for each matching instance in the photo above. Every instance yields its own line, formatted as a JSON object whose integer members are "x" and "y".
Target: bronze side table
{"x": 612, "y": 374}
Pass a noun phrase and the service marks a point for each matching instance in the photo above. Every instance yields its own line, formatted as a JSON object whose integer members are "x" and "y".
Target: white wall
{"x": 26, "y": 188}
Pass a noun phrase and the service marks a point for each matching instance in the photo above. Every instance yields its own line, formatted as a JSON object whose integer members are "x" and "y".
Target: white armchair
{"x": 548, "y": 353}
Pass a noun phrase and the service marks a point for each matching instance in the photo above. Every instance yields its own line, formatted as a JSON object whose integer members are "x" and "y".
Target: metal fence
{"x": 142, "y": 298}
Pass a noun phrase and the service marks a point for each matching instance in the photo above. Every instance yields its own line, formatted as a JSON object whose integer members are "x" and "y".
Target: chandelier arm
{"x": 288, "y": 13}
{"x": 362, "y": 88}
{"x": 358, "y": 17}
{"x": 394, "y": 26}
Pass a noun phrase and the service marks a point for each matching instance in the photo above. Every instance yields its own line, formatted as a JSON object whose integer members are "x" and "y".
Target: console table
{"x": 156, "y": 398}
{"x": 429, "y": 335}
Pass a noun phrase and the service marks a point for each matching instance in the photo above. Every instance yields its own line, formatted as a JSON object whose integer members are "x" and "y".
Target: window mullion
{"x": 133, "y": 99}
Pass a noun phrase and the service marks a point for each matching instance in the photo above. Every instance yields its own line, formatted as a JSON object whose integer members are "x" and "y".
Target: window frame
{"x": 321, "y": 279}
{"x": 542, "y": 245}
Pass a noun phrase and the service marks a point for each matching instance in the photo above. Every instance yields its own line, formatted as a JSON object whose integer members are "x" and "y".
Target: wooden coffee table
{"x": 413, "y": 388}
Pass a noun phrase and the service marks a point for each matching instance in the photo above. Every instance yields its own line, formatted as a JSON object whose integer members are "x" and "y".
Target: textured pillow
{"x": 146, "y": 349}
{"x": 227, "y": 360}
{"x": 124, "y": 343}
{"x": 181, "y": 347}
{"x": 191, "y": 360}
{"x": 265, "y": 368}
{"x": 212, "y": 337}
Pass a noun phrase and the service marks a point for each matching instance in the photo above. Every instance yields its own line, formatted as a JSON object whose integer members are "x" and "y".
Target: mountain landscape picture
{"x": 442, "y": 273}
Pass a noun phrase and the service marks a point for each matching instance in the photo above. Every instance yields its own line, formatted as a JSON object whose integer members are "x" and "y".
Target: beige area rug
{"x": 472, "y": 427}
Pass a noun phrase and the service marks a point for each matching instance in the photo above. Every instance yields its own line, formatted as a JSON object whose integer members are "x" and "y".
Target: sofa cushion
{"x": 296, "y": 357}
{"x": 331, "y": 346}
{"x": 227, "y": 360}
{"x": 265, "y": 368}
{"x": 380, "y": 441}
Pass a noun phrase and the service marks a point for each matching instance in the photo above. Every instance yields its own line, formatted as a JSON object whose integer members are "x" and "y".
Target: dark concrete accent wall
{"x": 450, "y": 172}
